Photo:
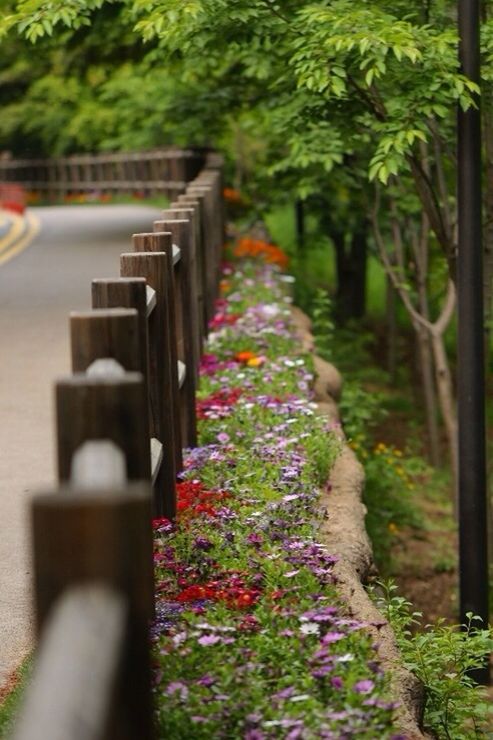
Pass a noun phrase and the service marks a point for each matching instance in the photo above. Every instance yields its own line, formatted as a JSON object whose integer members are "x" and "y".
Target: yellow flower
{"x": 255, "y": 362}
{"x": 393, "y": 528}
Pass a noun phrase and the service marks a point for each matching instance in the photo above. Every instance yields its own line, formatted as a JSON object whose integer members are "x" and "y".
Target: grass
{"x": 159, "y": 201}
{"x": 9, "y": 707}
{"x": 315, "y": 266}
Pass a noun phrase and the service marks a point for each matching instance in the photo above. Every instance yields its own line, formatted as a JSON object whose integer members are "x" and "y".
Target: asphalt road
{"x": 38, "y": 288}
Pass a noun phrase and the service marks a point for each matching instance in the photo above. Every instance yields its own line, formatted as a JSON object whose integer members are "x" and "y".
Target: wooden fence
{"x": 123, "y": 417}
{"x": 165, "y": 171}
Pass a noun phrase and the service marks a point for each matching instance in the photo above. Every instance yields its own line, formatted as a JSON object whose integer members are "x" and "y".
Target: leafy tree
{"x": 351, "y": 103}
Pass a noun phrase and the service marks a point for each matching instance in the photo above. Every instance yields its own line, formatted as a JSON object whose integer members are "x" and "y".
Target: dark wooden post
{"x": 163, "y": 380}
{"x": 105, "y": 537}
{"x": 127, "y": 293}
{"x": 191, "y": 213}
{"x": 185, "y": 271}
{"x": 61, "y": 702}
{"x": 112, "y": 408}
{"x": 109, "y": 333}
{"x": 202, "y": 256}
{"x": 214, "y": 245}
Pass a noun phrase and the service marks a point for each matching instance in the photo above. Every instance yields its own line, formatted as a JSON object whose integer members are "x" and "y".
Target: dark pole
{"x": 299, "y": 210}
{"x": 473, "y": 551}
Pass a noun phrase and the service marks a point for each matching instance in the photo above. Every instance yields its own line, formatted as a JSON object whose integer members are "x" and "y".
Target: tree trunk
{"x": 447, "y": 402}
{"x": 426, "y": 368}
{"x": 425, "y": 353}
{"x": 299, "y": 215}
{"x": 391, "y": 323}
{"x": 351, "y": 274}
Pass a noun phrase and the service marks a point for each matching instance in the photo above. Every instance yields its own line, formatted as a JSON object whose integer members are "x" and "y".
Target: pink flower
{"x": 207, "y": 640}
{"x": 364, "y": 687}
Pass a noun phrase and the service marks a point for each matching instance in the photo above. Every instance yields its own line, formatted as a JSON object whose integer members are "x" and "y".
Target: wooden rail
{"x": 123, "y": 418}
{"x": 165, "y": 171}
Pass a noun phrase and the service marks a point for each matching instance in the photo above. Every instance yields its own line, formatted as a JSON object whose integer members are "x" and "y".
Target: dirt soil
{"x": 424, "y": 561}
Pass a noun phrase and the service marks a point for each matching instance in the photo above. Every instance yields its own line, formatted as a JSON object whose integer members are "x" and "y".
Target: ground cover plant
{"x": 250, "y": 639}
{"x": 443, "y": 658}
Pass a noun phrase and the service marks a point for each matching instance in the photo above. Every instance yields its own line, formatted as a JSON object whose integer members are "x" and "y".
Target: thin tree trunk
{"x": 426, "y": 368}
{"x": 299, "y": 215}
{"x": 420, "y": 246}
{"x": 447, "y": 402}
{"x": 391, "y": 322}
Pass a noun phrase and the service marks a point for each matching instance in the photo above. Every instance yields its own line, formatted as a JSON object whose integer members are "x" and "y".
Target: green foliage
{"x": 307, "y": 67}
{"x": 442, "y": 657}
{"x": 322, "y": 325}
{"x": 389, "y": 474}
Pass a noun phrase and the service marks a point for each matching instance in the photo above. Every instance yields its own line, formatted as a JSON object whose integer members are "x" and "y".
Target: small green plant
{"x": 323, "y": 326}
{"x": 442, "y": 657}
{"x": 390, "y": 475}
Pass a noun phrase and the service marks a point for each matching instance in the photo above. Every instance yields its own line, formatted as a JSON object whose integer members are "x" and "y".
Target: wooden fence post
{"x": 105, "y": 537}
{"x": 111, "y": 332}
{"x": 185, "y": 271}
{"x": 111, "y": 408}
{"x": 206, "y": 246}
{"x": 73, "y": 681}
{"x": 127, "y": 293}
{"x": 191, "y": 213}
{"x": 163, "y": 379}
{"x": 213, "y": 220}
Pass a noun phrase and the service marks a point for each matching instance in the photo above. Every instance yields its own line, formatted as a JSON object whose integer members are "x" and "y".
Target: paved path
{"x": 37, "y": 290}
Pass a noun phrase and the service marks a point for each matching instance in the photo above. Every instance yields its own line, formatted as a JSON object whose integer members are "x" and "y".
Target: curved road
{"x": 38, "y": 288}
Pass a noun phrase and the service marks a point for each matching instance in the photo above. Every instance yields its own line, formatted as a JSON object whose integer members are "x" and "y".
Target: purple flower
{"x": 208, "y": 640}
{"x": 332, "y": 637}
{"x": 177, "y": 687}
{"x": 202, "y": 543}
{"x": 364, "y": 687}
{"x": 254, "y": 735}
{"x": 284, "y": 693}
{"x": 322, "y": 671}
{"x": 336, "y": 682}
{"x": 295, "y": 734}
{"x": 206, "y": 680}
{"x": 223, "y": 438}
{"x": 255, "y": 539}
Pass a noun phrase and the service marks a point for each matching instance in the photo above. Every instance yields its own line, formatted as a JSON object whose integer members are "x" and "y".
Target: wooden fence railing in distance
{"x": 160, "y": 171}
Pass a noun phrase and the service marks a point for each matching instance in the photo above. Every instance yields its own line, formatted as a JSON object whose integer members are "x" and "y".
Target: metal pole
{"x": 472, "y": 507}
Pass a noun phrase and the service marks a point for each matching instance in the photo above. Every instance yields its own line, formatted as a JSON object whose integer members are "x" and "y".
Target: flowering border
{"x": 250, "y": 638}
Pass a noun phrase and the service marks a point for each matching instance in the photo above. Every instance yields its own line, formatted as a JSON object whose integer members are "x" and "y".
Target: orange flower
{"x": 248, "y": 247}
{"x": 244, "y": 356}
{"x": 232, "y": 195}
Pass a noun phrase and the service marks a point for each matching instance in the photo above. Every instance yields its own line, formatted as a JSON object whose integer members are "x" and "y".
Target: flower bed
{"x": 250, "y": 639}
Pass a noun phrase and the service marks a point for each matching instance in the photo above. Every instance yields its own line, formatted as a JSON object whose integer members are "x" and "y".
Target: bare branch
{"x": 389, "y": 269}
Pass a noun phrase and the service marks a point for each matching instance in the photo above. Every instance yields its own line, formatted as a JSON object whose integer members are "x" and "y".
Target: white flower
{"x": 310, "y": 628}
{"x": 300, "y": 697}
{"x": 346, "y": 658}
